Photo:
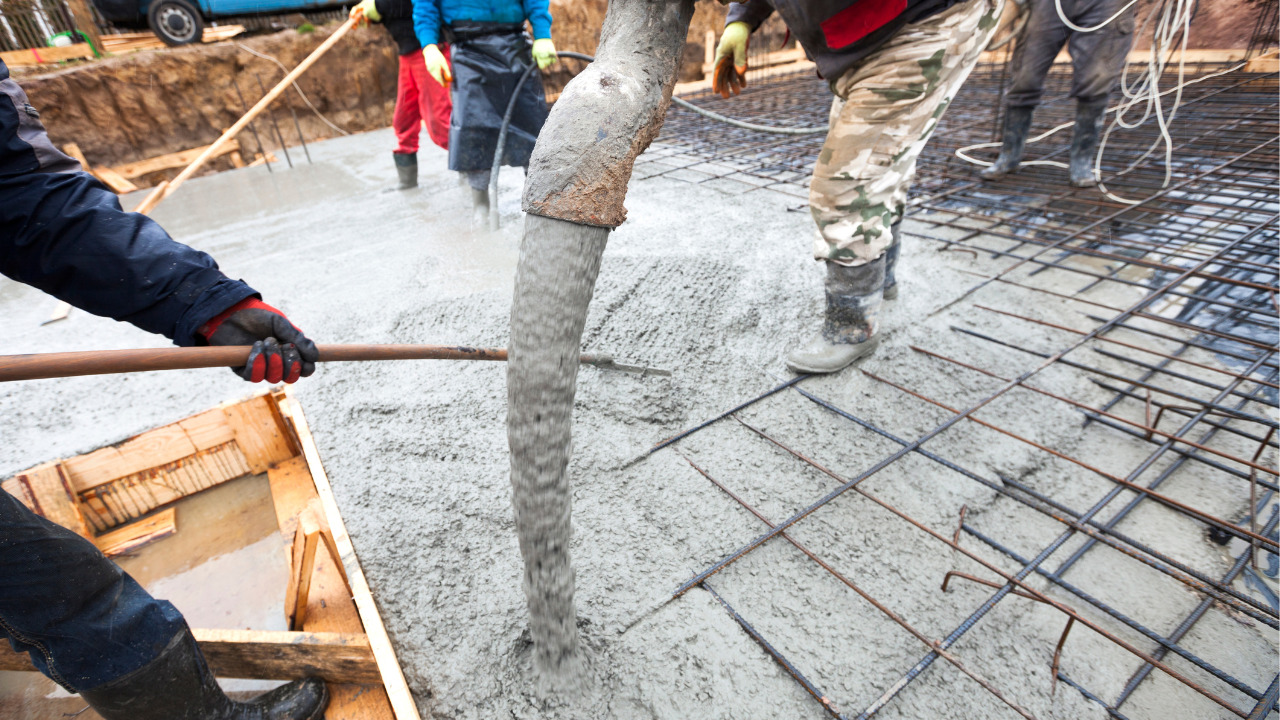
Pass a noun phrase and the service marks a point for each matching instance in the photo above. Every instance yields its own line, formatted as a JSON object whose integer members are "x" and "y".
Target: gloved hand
{"x": 731, "y": 60}
{"x": 544, "y": 53}
{"x": 437, "y": 65}
{"x": 366, "y": 10}
{"x": 280, "y": 350}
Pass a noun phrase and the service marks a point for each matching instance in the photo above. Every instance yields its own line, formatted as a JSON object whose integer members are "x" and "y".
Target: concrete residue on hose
{"x": 577, "y": 180}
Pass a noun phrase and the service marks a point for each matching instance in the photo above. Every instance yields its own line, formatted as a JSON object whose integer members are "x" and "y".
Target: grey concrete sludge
{"x": 716, "y": 287}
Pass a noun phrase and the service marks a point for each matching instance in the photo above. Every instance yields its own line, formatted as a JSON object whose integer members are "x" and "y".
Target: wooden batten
{"x": 269, "y": 655}
{"x": 46, "y": 490}
{"x": 139, "y": 533}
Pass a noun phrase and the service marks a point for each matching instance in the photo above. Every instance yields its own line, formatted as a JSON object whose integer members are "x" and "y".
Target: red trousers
{"x": 419, "y": 99}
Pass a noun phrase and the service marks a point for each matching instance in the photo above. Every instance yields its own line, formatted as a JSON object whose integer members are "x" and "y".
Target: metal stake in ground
{"x": 577, "y": 181}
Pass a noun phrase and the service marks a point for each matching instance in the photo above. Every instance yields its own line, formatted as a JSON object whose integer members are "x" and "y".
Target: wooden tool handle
{"x": 108, "y": 362}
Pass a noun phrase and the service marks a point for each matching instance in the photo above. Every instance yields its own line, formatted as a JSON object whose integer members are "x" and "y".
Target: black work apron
{"x": 488, "y": 60}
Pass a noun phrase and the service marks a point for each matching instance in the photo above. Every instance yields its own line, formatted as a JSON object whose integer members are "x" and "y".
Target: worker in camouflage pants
{"x": 894, "y": 69}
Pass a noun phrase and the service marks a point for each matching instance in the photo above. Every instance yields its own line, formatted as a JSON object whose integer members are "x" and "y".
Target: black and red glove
{"x": 280, "y": 351}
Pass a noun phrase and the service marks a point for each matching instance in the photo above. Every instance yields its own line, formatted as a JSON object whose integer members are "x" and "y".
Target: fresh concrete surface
{"x": 714, "y": 286}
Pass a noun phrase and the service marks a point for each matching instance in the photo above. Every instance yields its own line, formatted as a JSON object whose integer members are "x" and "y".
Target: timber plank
{"x": 268, "y": 655}
{"x": 171, "y": 161}
{"x": 141, "y": 452}
{"x": 396, "y": 688}
{"x": 291, "y": 490}
{"x": 261, "y": 437}
{"x": 39, "y": 56}
{"x": 114, "y": 180}
{"x": 208, "y": 429}
{"x": 139, "y": 533}
{"x": 52, "y": 497}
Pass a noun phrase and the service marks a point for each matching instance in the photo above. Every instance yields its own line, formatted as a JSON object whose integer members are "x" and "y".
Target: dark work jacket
{"x": 397, "y": 17}
{"x": 838, "y": 34}
{"x": 63, "y": 232}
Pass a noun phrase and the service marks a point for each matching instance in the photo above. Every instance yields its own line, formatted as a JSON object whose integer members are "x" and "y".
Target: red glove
{"x": 280, "y": 351}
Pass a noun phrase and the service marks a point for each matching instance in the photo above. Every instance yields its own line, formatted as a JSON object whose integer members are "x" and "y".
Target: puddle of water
{"x": 225, "y": 568}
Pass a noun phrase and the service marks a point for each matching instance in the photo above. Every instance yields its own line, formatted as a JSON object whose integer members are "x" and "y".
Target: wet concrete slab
{"x": 714, "y": 285}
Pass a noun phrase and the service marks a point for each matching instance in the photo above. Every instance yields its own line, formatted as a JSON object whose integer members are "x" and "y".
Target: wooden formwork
{"x": 116, "y": 497}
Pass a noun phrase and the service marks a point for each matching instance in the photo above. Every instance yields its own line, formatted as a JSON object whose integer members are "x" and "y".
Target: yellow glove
{"x": 437, "y": 66}
{"x": 366, "y": 10}
{"x": 731, "y": 60}
{"x": 544, "y": 53}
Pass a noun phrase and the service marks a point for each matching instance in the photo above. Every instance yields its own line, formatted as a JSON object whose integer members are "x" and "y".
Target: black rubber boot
{"x": 407, "y": 169}
{"x": 1017, "y": 123}
{"x": 1084, "y": 142}
{"x": 891, "y": 261}
{"x": 177, "y": 685}
{"x": 480, "y": 207}
{"x": 854, "y": 295}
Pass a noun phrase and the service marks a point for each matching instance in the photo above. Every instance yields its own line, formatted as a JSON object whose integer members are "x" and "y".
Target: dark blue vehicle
{"x": 179, "y": 22}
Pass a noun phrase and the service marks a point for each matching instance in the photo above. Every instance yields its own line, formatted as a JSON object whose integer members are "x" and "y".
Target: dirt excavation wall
{"x": 142, "y": 105}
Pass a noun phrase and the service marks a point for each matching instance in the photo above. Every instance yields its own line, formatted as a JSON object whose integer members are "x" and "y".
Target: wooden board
{"x": 48, "y": 493}
{"x": 172, "y": 161}
{"x": 260, "y": 433}
{"x": 138, "y": 533}
{"x": 40, "y": 56}
{"x": 326, "y": 584}
{"x": 114, "y": 180}
{"x": 130, "y": 42}
{"x": 268, "y": 655}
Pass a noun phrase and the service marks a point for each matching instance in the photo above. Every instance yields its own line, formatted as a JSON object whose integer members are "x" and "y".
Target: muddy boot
{"x": 178, "y": 685}
{"x": 1017, "y": 123}
{"x": 407, "y": 169}
{"x": 891, "y": 261}
{"x": 848, "y": 332}
{"x": 1084, "y": 142}
{"x": 480, "y": 207}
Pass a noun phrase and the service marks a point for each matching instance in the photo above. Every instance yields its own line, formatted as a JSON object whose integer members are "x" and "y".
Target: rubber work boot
{"x": 848, "y": 332}
{"x": 1084, "y": 142}
{"x": 891, "y": 261}
{"x": 178, "y": 685}
{"x": 480, "y": 207}
{"x": 1017, "y": 123}
{"x": 407, "y": 169}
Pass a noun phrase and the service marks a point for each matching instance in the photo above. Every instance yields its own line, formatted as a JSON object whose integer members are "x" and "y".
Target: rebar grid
{"x": 1188, "y": 368}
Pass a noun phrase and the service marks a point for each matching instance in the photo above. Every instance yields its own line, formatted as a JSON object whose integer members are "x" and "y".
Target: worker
{"x": 85, "y": 623}
{"x": 1097, "y": 58}
{"x": 420, "y": 98}
{"x": 894, "y": 67}
{"x": 491, "y": 52}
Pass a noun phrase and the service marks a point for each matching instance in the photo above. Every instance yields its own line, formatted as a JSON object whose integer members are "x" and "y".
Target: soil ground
{"x": 715, "y": 287}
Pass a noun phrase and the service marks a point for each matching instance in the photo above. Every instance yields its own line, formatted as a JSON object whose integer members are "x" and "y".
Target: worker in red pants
{"x": 419, "y": 98}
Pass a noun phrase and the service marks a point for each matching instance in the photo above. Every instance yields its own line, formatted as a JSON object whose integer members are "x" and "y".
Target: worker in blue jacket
{"x": 85, "y": 623}
{"x": 490, "y": 53}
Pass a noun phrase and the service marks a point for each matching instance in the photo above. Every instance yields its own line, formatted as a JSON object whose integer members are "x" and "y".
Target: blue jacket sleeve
{"x": 426, "y": 21}
{"x": 65, "y": 234}
{"x": 751, "y": 12}
{"x": 539, "y": 16}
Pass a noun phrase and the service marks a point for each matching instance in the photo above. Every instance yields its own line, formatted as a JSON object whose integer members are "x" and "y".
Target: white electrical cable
{"x": 1067, "y": 21}
{"x": 301, "y": 94}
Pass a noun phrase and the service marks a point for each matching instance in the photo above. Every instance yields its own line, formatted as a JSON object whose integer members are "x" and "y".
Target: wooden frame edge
{"x": 397, "y": 688}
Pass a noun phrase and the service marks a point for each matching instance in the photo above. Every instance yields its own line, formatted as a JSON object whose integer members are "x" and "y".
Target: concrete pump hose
{"x": 494, "y": 217}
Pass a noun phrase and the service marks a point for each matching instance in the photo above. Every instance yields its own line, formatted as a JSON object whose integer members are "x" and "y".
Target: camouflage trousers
{"x": 883, "y": 114}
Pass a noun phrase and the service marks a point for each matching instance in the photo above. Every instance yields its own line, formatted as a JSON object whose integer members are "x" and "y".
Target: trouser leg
{"x": 82, "y": 619}
{"x": 407, "y": 119}
{"x": 885, "y": 111}
{"x": 1033, "y": 54}
{"x": 435, "y": 105}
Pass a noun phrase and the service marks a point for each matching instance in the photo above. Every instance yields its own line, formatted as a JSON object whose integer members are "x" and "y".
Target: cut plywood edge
{"x": 393, "y": 681}
{"x": 46, "y": 491}
{"x": 138, "y": 533}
